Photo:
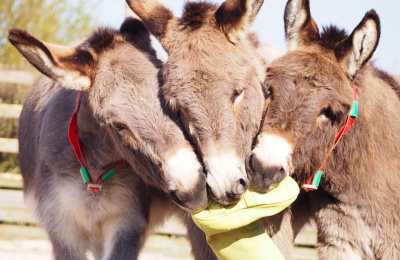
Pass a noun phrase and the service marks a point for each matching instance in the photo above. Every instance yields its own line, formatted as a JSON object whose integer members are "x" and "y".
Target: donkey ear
{"x": 358, "y": 48}
{"x": 68, "y": 66}
{"x": 300, "y": 27}
{"x": 236, "y": 16}
{"x": 129, "y": 13}
{"x": 158, "y": 19}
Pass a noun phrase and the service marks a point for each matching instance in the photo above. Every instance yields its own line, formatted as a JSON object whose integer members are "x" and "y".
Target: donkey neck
{"x": 94, "y": 139}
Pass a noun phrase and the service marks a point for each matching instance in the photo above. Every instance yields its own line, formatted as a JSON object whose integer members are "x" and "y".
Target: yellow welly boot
{"x": 248, "y": 242}
{"x": 232, "y": 231}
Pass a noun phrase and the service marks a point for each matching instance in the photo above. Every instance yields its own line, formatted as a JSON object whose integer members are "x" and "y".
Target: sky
{"x": 269, "y": 25}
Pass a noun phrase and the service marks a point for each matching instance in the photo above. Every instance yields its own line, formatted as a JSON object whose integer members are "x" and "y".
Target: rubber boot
{"x": 248, "y": 242}
{"x": 233, "y": 231}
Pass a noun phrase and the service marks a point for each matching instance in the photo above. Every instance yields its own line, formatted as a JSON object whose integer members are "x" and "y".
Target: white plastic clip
{"x": 309, "y": 186}
{"x": 94, "y": 187}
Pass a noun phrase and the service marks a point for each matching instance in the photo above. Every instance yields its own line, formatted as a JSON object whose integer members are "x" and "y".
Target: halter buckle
{"x": 93, "y": 187}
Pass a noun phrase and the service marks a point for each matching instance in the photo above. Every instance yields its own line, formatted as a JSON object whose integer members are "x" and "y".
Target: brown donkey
{"x": 122, "y": 119}
{"x": 356, "y": 206}
{"x": 212, "y": 78}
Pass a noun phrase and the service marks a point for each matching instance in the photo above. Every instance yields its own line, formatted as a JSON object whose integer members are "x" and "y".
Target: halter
{"x": 92, "y": 186}
{"x": 313, "y": 182}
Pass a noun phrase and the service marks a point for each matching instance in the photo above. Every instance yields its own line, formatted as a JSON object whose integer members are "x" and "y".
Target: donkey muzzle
{"x": 190, "y": 197}
{"x": 263, "y": 177}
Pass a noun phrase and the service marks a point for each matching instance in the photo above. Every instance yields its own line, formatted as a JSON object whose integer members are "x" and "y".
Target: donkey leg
{"x": 69, "y": 240}
{"x": 63, "y": 252}
{"x": 284, "y": 227}
{"x": 341, "y": 232}
{"x": 128, "y": 238}
{"x": 97, "y": 250}
{"x": 279, "y": 228}
{"x": 302, "y": 213}
{"x": 197, "y": 239}
{"x": 127, "y": 246}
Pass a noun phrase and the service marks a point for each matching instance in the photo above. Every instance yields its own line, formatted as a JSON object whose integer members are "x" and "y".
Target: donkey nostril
{"x": 255, "y": 164}
{"x": 240, "y": 187}
{"x": 250, "y": 162}
{"x": 174, "y": 196}
{"x": 280, "y": 175}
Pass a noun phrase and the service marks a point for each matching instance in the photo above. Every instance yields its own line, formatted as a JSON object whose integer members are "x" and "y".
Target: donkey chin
{"x": 187, "y": 191}
{"x": 269, "y": 162}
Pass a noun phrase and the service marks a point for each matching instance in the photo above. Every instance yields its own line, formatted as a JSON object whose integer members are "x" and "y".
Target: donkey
{"x": 213, "y": 79}
{"x": 356, "y": 206}
{"x": 121, "y": 119}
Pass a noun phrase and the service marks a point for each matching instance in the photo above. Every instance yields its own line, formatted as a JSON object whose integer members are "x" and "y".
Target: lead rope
{"x": 92, "y": 186}
{"x": 313, "y": 182}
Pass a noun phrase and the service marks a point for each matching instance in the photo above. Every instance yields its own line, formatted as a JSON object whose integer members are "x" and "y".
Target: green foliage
{"x": 60, "y": 22}
{"x": 9, "y": 163}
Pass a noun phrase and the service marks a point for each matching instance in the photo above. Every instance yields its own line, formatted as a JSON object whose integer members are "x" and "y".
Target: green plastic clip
{"x": 108, "y": 175}
{"x": 354, "y": 109}
{"x": 85, "y": 175}
{"x": 317, "y": 178}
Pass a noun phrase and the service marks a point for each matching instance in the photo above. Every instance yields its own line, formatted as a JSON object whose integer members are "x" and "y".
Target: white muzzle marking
{"x": 183, "y": 170}
{"x": 223, "y": 172}
{"x": 274, "y": 150}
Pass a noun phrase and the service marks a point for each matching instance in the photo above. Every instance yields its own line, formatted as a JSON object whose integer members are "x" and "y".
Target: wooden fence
{"x": 8, "y": 145}
{"x": 21, "y": 238}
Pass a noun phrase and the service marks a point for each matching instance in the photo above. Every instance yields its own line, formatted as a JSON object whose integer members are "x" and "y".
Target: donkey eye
{"x": 327, "y": 114}
{"x": 237, "y": 97}
{"x": 267, "y": 91}
{"x": 119, "y": 127}
{"x": 186, "y": 122}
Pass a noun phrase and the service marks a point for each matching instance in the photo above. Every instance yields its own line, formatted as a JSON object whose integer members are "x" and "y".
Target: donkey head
{"x": 310, "y": 95}
{"x": 212, "y": 79}
{"x": 119, "y": 73}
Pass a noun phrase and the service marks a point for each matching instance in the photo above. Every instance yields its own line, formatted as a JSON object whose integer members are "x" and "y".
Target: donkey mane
{"x": 332, "y": 36}
{"x": 131, "y": 30}
{"x": 137, "y": 34}
{"x": 100, "y": 40}
{"x": 383, "y": 75}
{"x": 194, "y": 14}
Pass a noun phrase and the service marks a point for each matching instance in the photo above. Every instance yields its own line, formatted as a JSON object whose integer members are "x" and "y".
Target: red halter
{"x": 313, "y": 182}
{"x": 85, "y": 171}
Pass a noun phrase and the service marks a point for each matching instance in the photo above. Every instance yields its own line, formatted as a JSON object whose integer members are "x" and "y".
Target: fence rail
{"x": 10, "y": 111}
{"x": 16, "y": 77}
{"x": 8, "y": 145}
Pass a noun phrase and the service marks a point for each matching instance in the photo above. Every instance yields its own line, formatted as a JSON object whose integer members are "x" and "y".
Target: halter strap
{"x": 75, "y": 143}
{"x": 313, "y": 182}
